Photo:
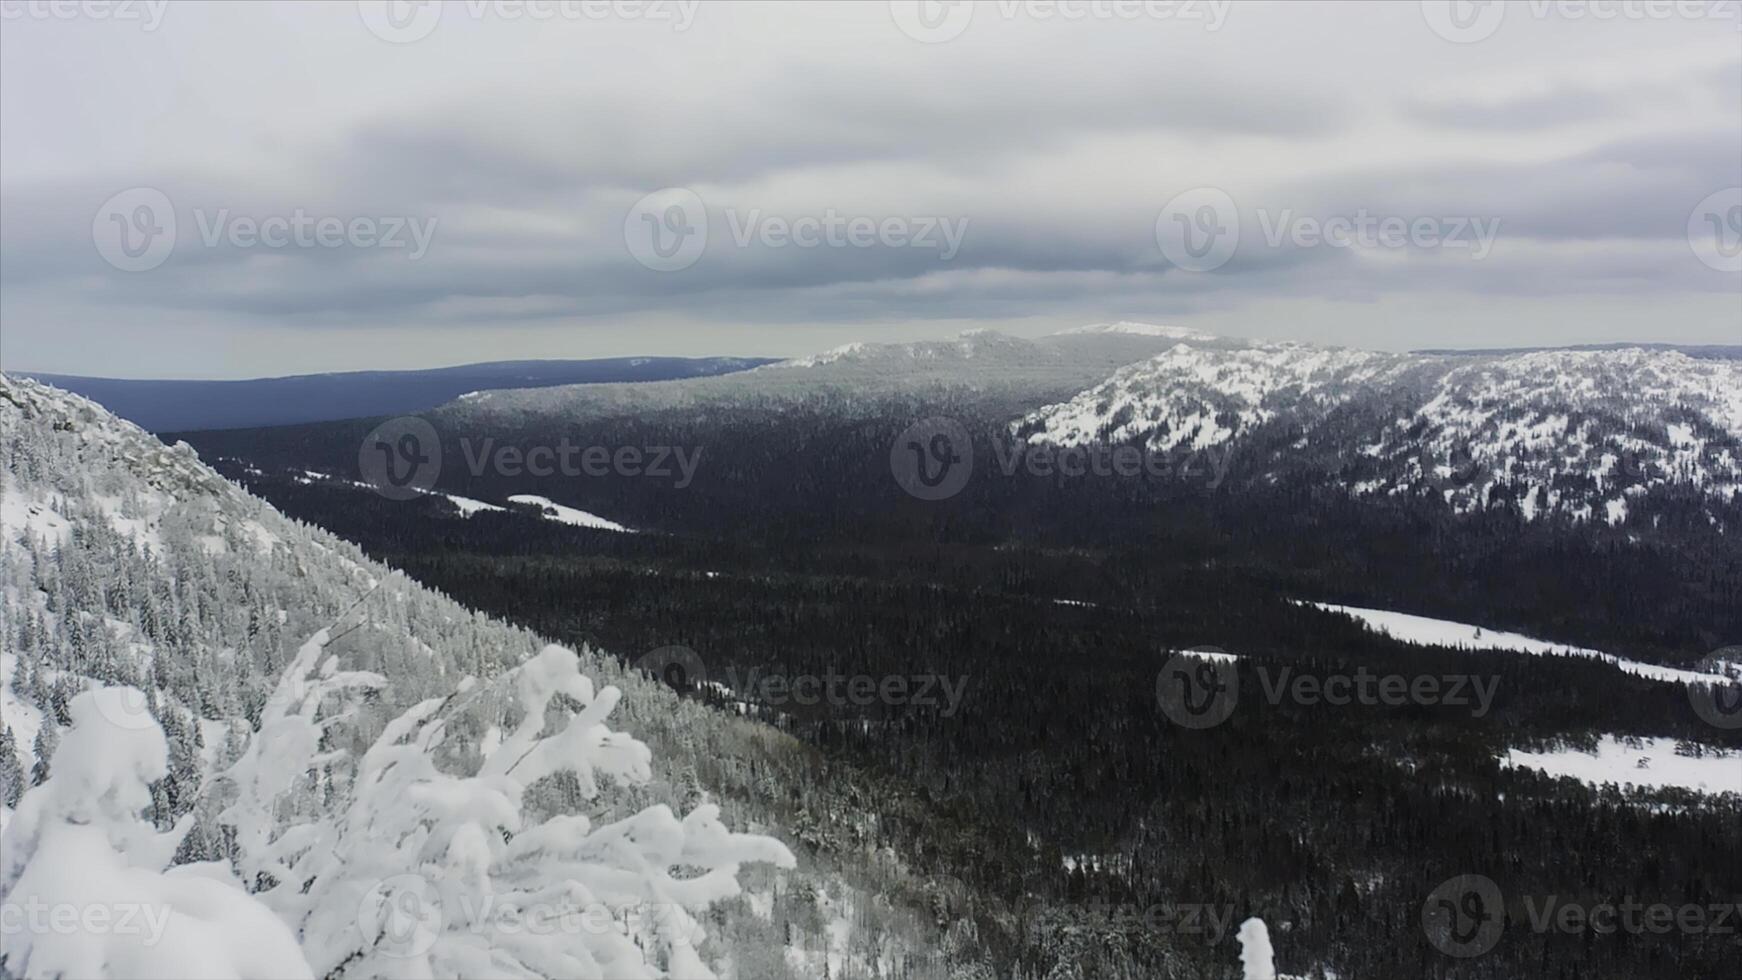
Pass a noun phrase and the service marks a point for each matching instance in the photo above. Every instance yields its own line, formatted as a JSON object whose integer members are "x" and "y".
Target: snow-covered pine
{"x": 408, "y": 869}
{"x": 87, "y": 884}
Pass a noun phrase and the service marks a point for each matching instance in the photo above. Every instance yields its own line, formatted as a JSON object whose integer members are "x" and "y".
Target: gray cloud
{"x": 1056, "y": 143}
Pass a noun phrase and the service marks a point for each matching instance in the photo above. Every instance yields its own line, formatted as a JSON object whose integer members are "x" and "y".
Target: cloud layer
{"x": 521, "y": 141}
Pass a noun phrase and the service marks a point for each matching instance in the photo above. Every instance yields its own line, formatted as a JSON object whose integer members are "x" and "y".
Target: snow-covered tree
{"x": 1256, "y": 954}
{"x": 11, "y": 771}
{"x": 422, "y": 871}
{"x": 82, "y": 876}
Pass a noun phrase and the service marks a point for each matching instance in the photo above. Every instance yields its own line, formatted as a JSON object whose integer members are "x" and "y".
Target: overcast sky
{"x": 484, "y": 178}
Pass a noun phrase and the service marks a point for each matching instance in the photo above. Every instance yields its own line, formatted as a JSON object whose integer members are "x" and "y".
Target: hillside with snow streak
{"x": 243, "y": 716}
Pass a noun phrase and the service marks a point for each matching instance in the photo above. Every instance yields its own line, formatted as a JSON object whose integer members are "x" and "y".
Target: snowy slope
{"x": 124, "y": 562}
{"x": 1584, "y": 430}
{"x": 1196, "y": 396}
{"x": 1576, "y": 433}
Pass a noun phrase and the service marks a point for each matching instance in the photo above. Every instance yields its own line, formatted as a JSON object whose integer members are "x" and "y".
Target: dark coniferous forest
{"x": 1055, "y": 791}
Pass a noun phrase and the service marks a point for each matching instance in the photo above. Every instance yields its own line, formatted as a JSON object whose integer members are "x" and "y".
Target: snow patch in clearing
{"x": 1646, "y": 763}
{"x": 468, "y": 506}
{"x": 1426, "y": 631}
{"x": 568, "y": 515}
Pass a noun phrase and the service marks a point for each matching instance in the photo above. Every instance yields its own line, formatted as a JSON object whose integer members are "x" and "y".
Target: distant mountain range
{"x": 174, "y": 405}
{"x": 1719, "y": 352}
{"x": 1580, "y": 433}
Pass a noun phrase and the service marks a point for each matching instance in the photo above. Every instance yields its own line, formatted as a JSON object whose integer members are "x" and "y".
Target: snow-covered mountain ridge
{"x": 1576, "y": 432}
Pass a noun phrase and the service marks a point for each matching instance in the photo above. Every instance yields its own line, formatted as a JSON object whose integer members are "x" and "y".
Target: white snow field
{"x": 1426, "y": 631}
{"x": 1647, "y": 763}
{"x": 569, "y": 515}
